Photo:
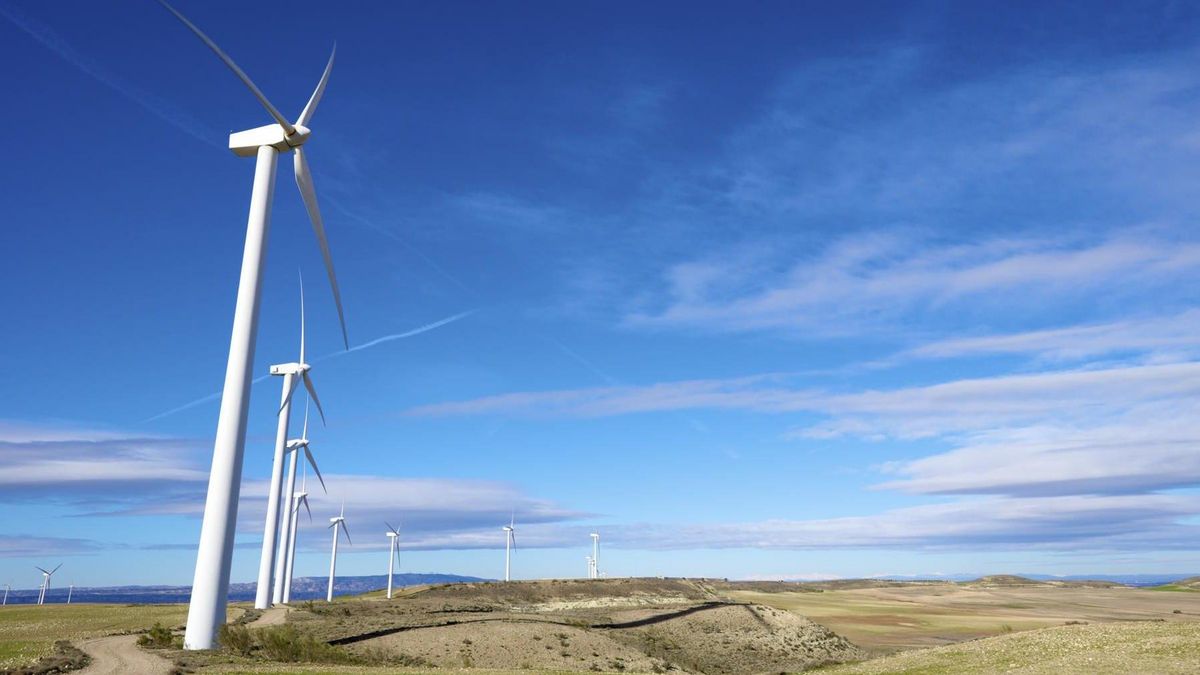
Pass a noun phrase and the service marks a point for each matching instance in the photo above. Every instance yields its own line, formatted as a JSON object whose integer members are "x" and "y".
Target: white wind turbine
{"x": 336, "y": 524}
{"x": 595, "y": 555}
{"x": 270, "y": 560}
{"x": 70, "y": 592}
{"x": 6, "y": 587}
{"x": 294, "y": 446}
{"x": 298, "y": 498}
{"x": 393, "y": 536}
{"x": 210, "y": 584}
{"x": 510, "y": 542}
{"x": 591, "y": 567}
{"x": 45, "y": 582}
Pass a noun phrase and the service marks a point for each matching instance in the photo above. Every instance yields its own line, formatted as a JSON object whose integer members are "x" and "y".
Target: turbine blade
{"x": 304, "y": 435}
{"x": 389, "y": 526}
{"x": 308, "y": 454}
{"x": 56, "y": 568}
{"x": 312, "y": 393}
{"x": 309, "y": 194}
{"x": 311, "y": 106}
{"x": 301, "y": 317}
{"x": 288, "y": 398}
{"x": 346, "y": 531}
{"x": 272, "y": 110}
{"x": 38, "y": 568}
{"x": 304, "y": 499}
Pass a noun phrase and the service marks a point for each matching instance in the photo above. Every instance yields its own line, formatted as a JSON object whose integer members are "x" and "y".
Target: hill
{"x": 1190, "y": 584}
{"x": 638, "y": 625}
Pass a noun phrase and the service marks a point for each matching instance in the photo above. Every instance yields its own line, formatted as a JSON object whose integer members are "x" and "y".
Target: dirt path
{"x": 120, "y": 655}
{"x": 271, "y": 617}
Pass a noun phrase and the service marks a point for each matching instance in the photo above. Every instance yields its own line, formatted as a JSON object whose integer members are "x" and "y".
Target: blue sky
{"x": 772, "y": 292}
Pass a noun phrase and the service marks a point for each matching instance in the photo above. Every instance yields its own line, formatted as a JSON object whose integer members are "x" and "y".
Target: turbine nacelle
{"x": 290, "y": 369}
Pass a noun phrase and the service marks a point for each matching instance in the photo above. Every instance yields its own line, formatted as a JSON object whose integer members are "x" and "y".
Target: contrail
{"x": 386, "y": 338}
{"x": 157, "y": 106}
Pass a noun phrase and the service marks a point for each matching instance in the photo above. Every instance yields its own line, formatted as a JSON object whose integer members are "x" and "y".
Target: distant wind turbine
{"x": 336, "y": 524}
{"x": 5, "y": 595}
{"x": 70, "y": 592}
{"x": 393, "y": 536}
{"x": 591, "y": 567}
{"x": 294, "y": 446}
{"x": 210, "y": 586}
{"x": 595, "y": 555}
{"x": 292, "y": 373}
{"x": 510, "y": 542}
{"x": 299, "y": 498}
{"x": 45, "y": 582}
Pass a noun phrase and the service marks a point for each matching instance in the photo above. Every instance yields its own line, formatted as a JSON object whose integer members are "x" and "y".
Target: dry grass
{"x": 1124, "y": 647}
{"x": 887, "y": 619}
{"x": 28, "y": 632}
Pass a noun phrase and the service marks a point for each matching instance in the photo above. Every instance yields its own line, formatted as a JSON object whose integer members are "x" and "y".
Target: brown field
{"x": 892, "y": 617}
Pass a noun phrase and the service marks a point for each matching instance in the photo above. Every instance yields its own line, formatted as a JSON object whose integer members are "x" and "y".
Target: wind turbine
{"x": 393, "y": 536}
{"x": 336, "y": 524}
{"x": 6, "y": 587}
{"x": 299, "y": 498}
{"x": 591, "y": 567}
{"x": 292, "y": 374}
{"x": 510, "y": 542}
{"x": 210, "y": 585}
{"x": 70, "y": 592}
{"x": 595, "y": 555}
{"x": 294, "y": 446}
{"x": 45, "y": 582}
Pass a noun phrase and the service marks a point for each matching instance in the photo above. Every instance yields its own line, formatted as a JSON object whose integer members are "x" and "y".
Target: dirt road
{"x": 120, "y": 655}
{"x": 271, "y": 617}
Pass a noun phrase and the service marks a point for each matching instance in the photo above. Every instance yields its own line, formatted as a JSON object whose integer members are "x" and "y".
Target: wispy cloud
{"x": 28, "y": 545}
{"x": 1162, "y": 337}
{"x": 871, "y": 282}
{"x": 1080, "y": 522}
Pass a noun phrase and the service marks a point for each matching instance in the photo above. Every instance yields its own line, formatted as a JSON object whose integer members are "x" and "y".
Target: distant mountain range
{"x": 1127, "y": 579}
{"x": 303, "y": 588}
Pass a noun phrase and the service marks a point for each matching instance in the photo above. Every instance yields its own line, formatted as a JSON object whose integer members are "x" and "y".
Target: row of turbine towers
{"x": 214, "y": 555}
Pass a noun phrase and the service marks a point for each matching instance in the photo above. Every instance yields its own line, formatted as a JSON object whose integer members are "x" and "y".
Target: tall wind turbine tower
{"x": 336, "y": 524}
{"x": 214, "y": 556}
{"x": 282, "y": 562}
{"x": 45, "y": 582}
{"x": 70, "y": 592}
{"x": 299, "y": 498}
{"x": 6, "y": 587}
{"x": 292, "y": 374}
{"x": 595, "y": 555}
{"x": 510, "y": 542}
{"x": 393, "y": 536}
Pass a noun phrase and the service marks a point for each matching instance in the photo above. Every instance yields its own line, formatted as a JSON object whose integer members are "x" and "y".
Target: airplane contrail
{"x": 386, "y": 338}
{"x": 157, "y": 106}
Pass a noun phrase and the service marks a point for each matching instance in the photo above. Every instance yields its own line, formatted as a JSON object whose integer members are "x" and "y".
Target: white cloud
{"x": 870, "y": 282}
{"x": 1078, "y": 522}
{"x": 1163, "y": 337}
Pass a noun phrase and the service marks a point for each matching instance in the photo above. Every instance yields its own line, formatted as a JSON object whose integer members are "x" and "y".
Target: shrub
{"x": 159, "y": 637}
{"x": 285, "y": 643}
{"x": 237, "y": 639}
